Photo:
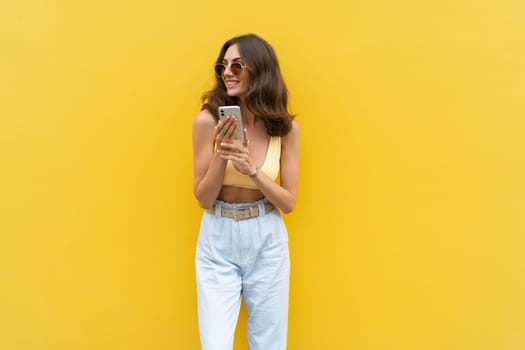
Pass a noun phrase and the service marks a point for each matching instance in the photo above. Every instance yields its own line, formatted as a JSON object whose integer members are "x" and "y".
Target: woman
{"x": 242, "y": 248}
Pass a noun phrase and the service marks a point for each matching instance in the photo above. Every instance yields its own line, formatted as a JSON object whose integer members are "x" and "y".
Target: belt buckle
{"x": 245, "y": 213}
{"x": 235, "y": 215}
{"x": 239, "y": 214}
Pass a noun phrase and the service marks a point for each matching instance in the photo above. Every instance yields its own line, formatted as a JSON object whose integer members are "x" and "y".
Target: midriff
{"x": 230, "y": 194}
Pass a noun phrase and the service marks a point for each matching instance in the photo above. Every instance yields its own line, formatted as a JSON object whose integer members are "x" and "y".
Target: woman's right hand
{"x": 225, "y": 130}
{"x": 209, "y": 167}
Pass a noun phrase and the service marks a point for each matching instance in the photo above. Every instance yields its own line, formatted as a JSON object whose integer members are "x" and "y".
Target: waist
{"x": 241, "y": 211}
{"x": 231, "y": 194}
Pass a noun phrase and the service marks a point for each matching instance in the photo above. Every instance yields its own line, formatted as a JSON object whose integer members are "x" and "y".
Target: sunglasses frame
{"x": 223, "y": 67}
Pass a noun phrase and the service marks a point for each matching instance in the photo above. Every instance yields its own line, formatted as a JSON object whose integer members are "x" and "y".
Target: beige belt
{"x": 244, "y": 213}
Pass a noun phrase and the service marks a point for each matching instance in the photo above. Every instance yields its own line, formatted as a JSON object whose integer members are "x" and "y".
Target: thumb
{"x": 246, "y": 141}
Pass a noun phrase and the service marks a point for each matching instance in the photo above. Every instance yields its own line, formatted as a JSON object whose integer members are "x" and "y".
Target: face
{"x": 236, "y": 81}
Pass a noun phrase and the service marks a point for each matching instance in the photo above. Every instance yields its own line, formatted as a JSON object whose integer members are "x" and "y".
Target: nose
{"x": 227, "y": 70}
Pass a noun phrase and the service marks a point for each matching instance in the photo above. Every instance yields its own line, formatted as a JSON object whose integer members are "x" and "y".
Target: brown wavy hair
{"x": 267, "y": 97}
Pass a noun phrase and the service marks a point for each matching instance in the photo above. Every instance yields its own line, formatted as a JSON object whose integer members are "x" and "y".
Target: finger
{"x": 223, "y": 124}
{"x": 233, "y": 157}
{"x": 234, "y": 147}
{"x": 226, "y": 123}
{"x": 229, "y": 132}
{"x": 219, "y": 126}
{"x": 242, "y": 165}
{"x": 222, "y": 129}
{"x": 246, "y": 140}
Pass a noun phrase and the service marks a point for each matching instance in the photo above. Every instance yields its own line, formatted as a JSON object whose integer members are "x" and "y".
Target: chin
{"x": 235, "y": 92}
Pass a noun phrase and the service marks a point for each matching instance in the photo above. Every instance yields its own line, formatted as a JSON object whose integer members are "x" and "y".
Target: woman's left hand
{"x": 239, "y": 154}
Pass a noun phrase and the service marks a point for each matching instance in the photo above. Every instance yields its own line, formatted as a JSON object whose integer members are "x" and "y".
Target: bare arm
{"x": 208, "y": 167}
{"x": 285, "y": 195}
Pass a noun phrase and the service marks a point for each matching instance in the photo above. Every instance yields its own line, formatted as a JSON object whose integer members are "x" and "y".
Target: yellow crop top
{"x": 270, "y": 167}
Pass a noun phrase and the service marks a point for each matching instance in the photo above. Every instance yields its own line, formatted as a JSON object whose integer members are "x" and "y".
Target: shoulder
{"x": 203, "y": 121}
{"x": 203, "y": 125}
{"x": 204, "y": 118}
{"x": 293, "y": 134}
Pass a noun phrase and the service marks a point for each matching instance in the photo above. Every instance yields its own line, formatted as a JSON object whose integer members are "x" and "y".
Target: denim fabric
{"x": 246, "y": 258}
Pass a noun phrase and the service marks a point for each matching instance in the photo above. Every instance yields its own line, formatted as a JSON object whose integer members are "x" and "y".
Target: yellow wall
{"x": 409, "y": 231}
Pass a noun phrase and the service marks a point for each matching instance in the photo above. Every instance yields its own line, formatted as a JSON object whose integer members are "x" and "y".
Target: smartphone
{"x": 236, "y": 112}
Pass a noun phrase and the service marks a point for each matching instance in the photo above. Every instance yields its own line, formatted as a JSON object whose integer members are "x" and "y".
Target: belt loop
{"x": 260, "y": 205}
{"x": 218, "y": 209}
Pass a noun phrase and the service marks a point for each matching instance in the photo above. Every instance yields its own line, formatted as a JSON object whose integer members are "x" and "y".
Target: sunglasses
{"x": 235, "y": 67}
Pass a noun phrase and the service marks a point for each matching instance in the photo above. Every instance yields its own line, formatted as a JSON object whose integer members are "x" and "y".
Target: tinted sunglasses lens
{"x": 219, "y": 69}
{"x": 236, "y": 68}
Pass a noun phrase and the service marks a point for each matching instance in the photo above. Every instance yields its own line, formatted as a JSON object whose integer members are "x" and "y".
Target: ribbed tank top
{"x": 270, "y": 167}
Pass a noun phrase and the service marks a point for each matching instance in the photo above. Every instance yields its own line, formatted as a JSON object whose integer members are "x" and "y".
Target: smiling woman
{"x": 236, "y": 82}
{"x": 242, "y": 247}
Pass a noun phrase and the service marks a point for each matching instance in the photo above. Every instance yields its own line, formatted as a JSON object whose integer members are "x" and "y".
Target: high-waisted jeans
{"x": 246, "y": 258}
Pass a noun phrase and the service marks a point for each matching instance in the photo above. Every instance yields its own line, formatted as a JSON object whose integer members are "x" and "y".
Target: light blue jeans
{"x": 246, "y": 258}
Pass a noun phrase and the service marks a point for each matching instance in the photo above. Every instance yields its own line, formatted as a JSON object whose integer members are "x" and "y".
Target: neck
{"x": 248, "y": 118}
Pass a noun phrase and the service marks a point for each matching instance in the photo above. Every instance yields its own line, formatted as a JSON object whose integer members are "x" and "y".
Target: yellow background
{"x": 409, "y": 229}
